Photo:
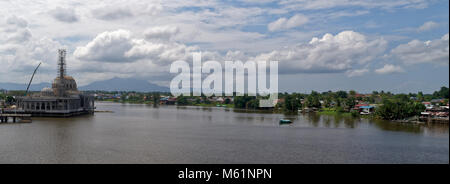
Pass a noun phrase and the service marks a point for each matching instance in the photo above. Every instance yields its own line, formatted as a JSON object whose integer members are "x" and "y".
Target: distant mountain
{"x": 124, "y": 84}
{"x": 15, "y": 86}
{"x": 115, "y": 84}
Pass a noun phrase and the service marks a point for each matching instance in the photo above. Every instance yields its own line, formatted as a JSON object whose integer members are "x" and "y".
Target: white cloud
{"x": 154, "y": 8}
{"x": 17, "y": 21}
{"x": 15, "y": 31}
{"x": 64, "y": 14}
{"x": 432, "y": 51}
{"x": 161, "y": 32}
{"x": 179, "y": 27}
{"x": 338, "y": 53}
{"x": 428, "y": 26}
{"x": 121, "y": 46}
{"x": 326, "y": 4}
{"x": 389, "y": 69}
{"x": 357, "y": 72}
{"x": 20, "y": 52}
{"x": 107, "y": 46}
{"x": 284, "y": 23}
{"x": 112, "y": 13}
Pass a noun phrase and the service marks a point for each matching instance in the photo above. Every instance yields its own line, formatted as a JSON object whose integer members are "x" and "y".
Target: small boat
{"x": 285, "y": 121}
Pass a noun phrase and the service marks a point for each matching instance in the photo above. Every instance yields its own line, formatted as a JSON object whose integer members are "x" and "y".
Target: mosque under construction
{"x": 62, "y": 100}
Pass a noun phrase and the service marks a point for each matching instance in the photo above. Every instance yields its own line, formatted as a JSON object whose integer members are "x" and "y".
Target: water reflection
{"x": 339, "y": 121}
{"x": 170, "y": 134}
{"x": 264, "y": 117}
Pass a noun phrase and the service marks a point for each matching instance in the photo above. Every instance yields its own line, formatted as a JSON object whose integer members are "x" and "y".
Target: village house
{"x": 439, "y": 113}
{"x": 437, "y": 101}
{"x": 167, "y": 100}
{"x": 364, "y": 108}
{"x": 427, "y": 105}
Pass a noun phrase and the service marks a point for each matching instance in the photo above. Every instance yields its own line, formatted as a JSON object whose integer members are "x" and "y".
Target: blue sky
{"x": 364, "y": 45}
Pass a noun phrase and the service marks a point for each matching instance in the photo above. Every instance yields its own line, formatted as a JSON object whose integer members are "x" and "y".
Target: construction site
{"x": 61, "y": 100}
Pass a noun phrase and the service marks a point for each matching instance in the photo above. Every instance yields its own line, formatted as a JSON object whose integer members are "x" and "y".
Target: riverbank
{"x": 151, "y": 103}
{"x": 333, "y": 112}
{"x": 321, "y": 111}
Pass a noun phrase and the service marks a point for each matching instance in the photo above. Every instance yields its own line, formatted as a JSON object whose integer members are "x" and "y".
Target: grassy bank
{"x": 213, "y": 105}
{"x": 334, "y": 112}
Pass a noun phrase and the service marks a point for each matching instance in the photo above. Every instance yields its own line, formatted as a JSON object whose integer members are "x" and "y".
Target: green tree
{"x": 420, "y": 96}
{"x": 338, "y": 102}
{"x": 396, "y": 110}
{"x": 350, "y": 102}
{"x": 313, "y": 100}
{"x": 341, "y": 94}
{"x": 182, "y": 100}
{"x": 155, "y": 98}
{"x": 243, "y": 102}
{"x": 253, "y": 104}
{"x": 442, "y": 93}
{"x": 291, "y": 103}
{"x": 10, "y": 99}
{"x": 327, "y": 101}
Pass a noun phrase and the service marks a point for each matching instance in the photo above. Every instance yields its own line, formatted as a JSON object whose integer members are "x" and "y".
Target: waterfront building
{"x": 61, "y": 100}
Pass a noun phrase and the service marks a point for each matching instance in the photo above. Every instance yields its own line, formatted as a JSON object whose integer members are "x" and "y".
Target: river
{"x": 136, "y": 133}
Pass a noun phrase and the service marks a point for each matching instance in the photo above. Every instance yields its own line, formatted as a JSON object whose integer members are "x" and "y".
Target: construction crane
{"x": 26, "y": 93}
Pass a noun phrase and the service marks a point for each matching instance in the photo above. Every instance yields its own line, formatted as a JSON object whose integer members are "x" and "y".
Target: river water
{"x": 145, "y": 134}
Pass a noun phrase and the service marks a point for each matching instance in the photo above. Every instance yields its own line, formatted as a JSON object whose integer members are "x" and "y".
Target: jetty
{"x": 24, "y": 118}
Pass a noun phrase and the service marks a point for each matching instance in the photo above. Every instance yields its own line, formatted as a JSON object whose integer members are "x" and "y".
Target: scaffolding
{"x": 61, "y": 63}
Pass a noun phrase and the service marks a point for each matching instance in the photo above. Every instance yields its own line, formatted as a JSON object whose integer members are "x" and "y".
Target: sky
{"x": 364, "y": 45}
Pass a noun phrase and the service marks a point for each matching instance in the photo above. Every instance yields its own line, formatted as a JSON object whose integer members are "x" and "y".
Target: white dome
{"x": 47, "y": 92}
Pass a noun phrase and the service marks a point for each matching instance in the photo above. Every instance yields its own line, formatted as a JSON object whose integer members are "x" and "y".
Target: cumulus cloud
{"x": 432, "y": 51}
{"x": 284, "y": 23}
{"x": 109, "y": 46}
{"x": 338, "y": 53}
{"x": 15, "y": 31}
{"x": 216, "y": 26}
{"x": 428, "y": 26}
{"x": 161, "y": 32}
{"x": 389, "y": 69}
{"x": 17, "y": 21}
{"x": 20, "y": 52}
{"x": 64, "y": 14}
{"x": 153, "y": 8}
{"x": 121, "y": 46}
{"x": 112, "y": 13}
{"x": 159, "y": 53}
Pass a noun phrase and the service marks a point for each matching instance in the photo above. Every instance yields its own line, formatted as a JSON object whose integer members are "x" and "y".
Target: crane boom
{"x": 32, "y": 78}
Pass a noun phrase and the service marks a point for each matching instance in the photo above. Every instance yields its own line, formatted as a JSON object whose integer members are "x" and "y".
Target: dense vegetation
{"x": 394, "y": 109}
{"x": 8, "y": 99}
{"x": 389, "y": 106}
{"x": 246, "y": 102}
